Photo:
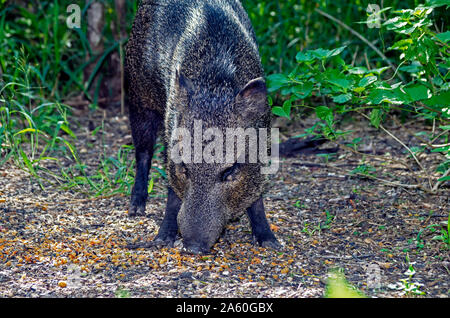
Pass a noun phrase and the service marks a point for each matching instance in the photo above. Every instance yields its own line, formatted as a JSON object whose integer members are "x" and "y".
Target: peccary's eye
{"x": 230, "y": 173}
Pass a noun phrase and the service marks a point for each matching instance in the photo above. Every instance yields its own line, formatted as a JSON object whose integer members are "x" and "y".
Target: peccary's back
{"x": 209, "y": 41}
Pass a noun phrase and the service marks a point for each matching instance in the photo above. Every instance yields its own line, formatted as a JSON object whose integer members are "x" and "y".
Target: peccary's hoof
{"x": 136, "y": 210}
{"x": 162, "y": 240}
{"x": 270, "y": 242}
{"x": 273, "y": 244}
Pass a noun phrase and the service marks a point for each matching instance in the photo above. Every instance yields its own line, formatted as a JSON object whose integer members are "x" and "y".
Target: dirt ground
{"x": 57, "y": 243}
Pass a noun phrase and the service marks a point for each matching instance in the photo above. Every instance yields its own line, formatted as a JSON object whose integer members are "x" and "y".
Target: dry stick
{"x": 437, "y": 146}
{"x": 373, "y": 47}
{"x": 438, "y": 136}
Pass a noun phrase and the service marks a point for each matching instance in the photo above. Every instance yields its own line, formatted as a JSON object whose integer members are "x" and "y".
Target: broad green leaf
{"x": 441, "y": 149}
{"x": 276, "y": 81}
{"x": 380, "y": 70}
{"x": 320, "y": 53}
{"x": 378, "y": 96}
{"x": 341, "y": 82}
{"x": 326, "y": 114}
{"x": 287, "y": 107}
{"x": 366, "y": 81}
{"x": 359, "y": 70}
{"x": 443, "y": 99}
{"x": 279, "y": 111}
{"x": 336, "y": 51}
{"x": 343, "y": 98}
{"x": 414, "y": 67}
{"x": 402, "y": 44}
{"x": 418, "y": 92}
{"x": 302, "y": 90}
{"x": 304, "y": 57}
{"x": 359, "y": 89}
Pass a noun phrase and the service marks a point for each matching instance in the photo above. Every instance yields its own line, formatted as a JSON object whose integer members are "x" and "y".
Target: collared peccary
{"x": 191, "y": 61}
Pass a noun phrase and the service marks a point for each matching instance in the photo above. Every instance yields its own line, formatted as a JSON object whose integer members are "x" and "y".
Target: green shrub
{"x": 324, "y": 74}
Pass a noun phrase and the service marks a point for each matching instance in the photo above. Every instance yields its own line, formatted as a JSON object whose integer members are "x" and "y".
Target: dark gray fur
{"x": 188, "y": 60}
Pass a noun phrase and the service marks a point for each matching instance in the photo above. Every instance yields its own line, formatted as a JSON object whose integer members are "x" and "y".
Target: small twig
{"x": 438, "y": 136}
{"x": 437, "y": 146}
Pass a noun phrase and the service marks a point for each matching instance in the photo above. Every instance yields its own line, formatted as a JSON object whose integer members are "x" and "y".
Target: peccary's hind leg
{"x": 144, "y": 129}
{"x": 169, "y": 228}
{"x": 260, "y": 227}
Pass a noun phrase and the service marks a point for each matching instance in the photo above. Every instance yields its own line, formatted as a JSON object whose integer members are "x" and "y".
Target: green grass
{"x": 41, "y": 66}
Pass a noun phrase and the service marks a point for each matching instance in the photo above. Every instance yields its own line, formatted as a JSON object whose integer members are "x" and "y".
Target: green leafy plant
{"x": 445, "y": 232}
{"x": 42, "y": 64}
{"x": 122, "y": 293}
{"x": 407, "y": 286}
{"x": 363, "y": 169}
{"x": 311, "y": 229}
{"x": 338, "y": 88}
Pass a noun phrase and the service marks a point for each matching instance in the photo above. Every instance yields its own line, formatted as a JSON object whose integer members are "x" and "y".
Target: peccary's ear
{"x": 251, "y": 102}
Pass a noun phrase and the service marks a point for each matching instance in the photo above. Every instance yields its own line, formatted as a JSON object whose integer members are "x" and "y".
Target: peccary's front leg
{"x": 260, "y": 227}
{"x": 144, "y": 128}
{"x": 169, "y": 228}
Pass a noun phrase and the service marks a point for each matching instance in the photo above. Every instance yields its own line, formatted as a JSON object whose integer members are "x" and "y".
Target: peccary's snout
{"x": 201, "y": 220}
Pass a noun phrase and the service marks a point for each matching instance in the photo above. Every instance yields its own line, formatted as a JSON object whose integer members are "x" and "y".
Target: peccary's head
{"x": 214, "y": 174}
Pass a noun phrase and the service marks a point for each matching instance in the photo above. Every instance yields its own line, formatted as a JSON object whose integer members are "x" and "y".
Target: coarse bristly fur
{"x": 190, "y": 60}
